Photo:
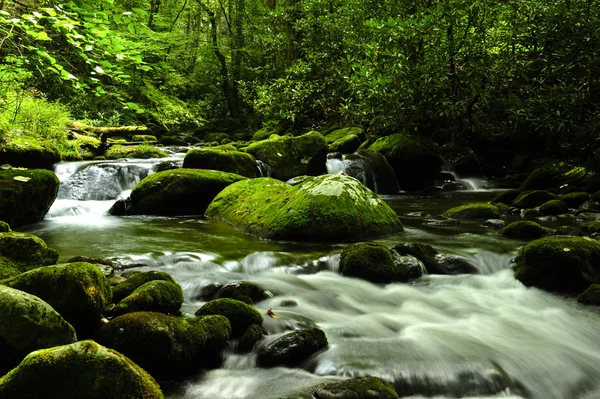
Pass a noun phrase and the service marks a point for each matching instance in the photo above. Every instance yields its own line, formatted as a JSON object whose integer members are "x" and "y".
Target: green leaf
{"x": 132, "y": 106}
{"x": 131, "y": 28}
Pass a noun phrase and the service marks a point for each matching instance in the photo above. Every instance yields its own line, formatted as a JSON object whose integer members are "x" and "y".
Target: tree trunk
{"x": 154, "y": 6}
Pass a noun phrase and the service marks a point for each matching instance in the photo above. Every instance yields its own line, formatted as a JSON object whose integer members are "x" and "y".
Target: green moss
{"x": 543, "y": 178}
{"x": 559, "y": 263}
{"x": 154, "y": 296}
{"x": 29, "y": 152}
{"x": 292, "y": 349}
{"x": 531, "y": 199}
{"x": 502, "y": 208}
{"x": 179, "y": 191}
{"x": 250, "y": 338}
{"x": 78, "y": 291}
{"x": 20, "y": 252}
{"x": 262, "y": 134}
{"x": 240, "y": 315}
{"x": 574, "y": 200}
{"x": 506, "y": 197}
{"x": 179, "y": 345}
{"x": 292, "y": 156}
{"x": 356, "y": 388}
{"x": 28, "y": 198}
{"x": 215, "y": 137}
{"x": 143, "y": 137}
{"x": 236, "y": 162}
{"x": 374, "y": 262}
{"x": 325, "y": 208}
{"x": 477, "y": 210}
{"x": 591, "y": 296}
{"x": 4, "y": 227}
{"x": 135, "y": 281}
{"x": 553, "y": 207}
{"x": 524, "y": 230}
{"x": 591, "y": 227}
{"x": 340, "y": 134}
{"x": 136, "y": 151}
{"x": 100, "y": 373}
{"x": 346, "y": 145}
{"x": 27, "y": 323}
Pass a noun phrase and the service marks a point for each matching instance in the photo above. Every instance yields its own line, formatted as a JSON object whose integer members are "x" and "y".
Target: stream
{"x": 474, "y": 336}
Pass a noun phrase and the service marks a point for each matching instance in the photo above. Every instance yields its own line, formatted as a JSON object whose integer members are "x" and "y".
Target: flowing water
{"x": 475, "y": 336}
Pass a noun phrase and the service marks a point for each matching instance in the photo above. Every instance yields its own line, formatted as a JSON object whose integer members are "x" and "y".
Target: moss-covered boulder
{"x": 240, "y": 315}
{"x": 473, "y": 211}
{"x": 177, "y": 192}
{"x": 532, "y": 199}
{"x": 27, "y": 323}
{"x": 346, "y": 145}
{"x": 568, "y": 231}
{"x": 144, "y": 137}
{"x": 4, "y": 227}
{"x": 165, "y": 346}
{"x": 376, "y": 263}
{"x": 20, "y": 252}
{"x": 154, "y": 296}
{"x": 553, "y": 208}
{"x": 243, "y": 291}
{"x": 292, "y": 156}
{"x": 237, "y": 162}
{"x": 434, "y": 261}
{"x": 544, "y": 177}
{"x": 292, "y": 349}
{"x": 356, "y": 388}
{"x": 523, "y": 230}
{"x": 78, "y": 291}
{"x": 591, "y": 296}
{"x": 250, "y": 338}
{"x": 373, "y": 170}
{"x": 134, "y": 151}
{"x": 415, "y": 159}
{"x": 506, "y": 197}
{"x": 566, "y": 264}
{"x": 574, "y": 200}
{"x": 339, "y": 134}
{"x": 26, "y": 195}
{"x": 324, "y": 208}
{"x": 83, "y": 370}
{"x": 28, "y": 152}
{"x": 136, "y": 280}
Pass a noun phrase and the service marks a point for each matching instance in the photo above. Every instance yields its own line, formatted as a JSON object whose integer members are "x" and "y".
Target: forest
{"x": 513, "y": 73}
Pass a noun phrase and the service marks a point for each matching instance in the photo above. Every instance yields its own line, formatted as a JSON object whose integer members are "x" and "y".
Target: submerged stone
{"x": 292, "y": 349}
{"x": 356, "y": 388}
{"x": 324, "y": 208}
{"x": 77, "y": 371}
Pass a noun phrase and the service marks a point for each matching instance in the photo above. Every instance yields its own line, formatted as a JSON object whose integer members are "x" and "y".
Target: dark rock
{"x": 553, "y": 207}
{"x": 135, "y": 281}
{"x": 240, "y": 315}
{"x": 494, "y": 224}
{"x": 435, "y": 262}
{"x": 356, "y": 388}
{"x": 292, "y": 349}
{"x": 473, "y": 211}
{"x": 523, "y": 230}
{"x": 154, "y": 296}
{"x": 568, "y": 231}
{"x": 506, "y": 197}
{"x": 531, "y": 199}
{"x": 250, "y": 338}
{"x": 591, "y": 296}
{"x": 243, "y": 291}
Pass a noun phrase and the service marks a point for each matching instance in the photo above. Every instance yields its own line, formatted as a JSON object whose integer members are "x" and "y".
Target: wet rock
{"x": 435, "y": 262}
{"x": 28, "y": 323}
{"x": 26, "y": 195}
{"x": 250, "y": 338}
{"x": 78, "y": 291}
{"x": 324, "y": 208}
{"x": 506, "y": 197}
{"x": 292, "y": 156}
{"x": 107, "y": 267}
{"x": 288, "y": 303}
{"x": 553, "y": 207}
{"x": 292, "y": 349}
{"x": 494, "y": 224}
{"x": 566, "y": 264}
{"x": 237, "y": 162}
{"x": 574, "y": 200}
{"x": 240, "y": 315}
{"x": 154, "y": 296}
{"x": 532, "y": 199}
{"x": 167, "y": 347}
{"x": 591, "y": 296}
{"x": 166, "y": 165}
{"x": 568, "y": 231}
{"x": 177, "y": 192}
{"x": 377, "y": 263}
{"x": 473, "y": 211}
{"x": 523, "y": 230}
{"x": 243, "y": 291}
{"x": 356, "y": 388}
{"x": 346, "y": 145}
{"x": 373, "y": 170}
{"x": 135, "y": 281}
{"x": 543, "y": 177}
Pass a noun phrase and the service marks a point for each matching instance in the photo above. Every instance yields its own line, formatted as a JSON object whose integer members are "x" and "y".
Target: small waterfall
{"x": 264, "y": 168}
{"x": 452, "y": 182}
{"x": 370, "y": 168}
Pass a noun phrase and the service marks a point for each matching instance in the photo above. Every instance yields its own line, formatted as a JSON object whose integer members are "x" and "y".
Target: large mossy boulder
{"x": 531, "y": 199}
{"x": 237, "y": 162}
{"x": 591, "y": 296}
{"x": 28, "y": 152}
{"x": 27, "y": 323}
{"x": 178, "y": 192}
{"x": 506, "y": 197}
{"x": 575, "y": 199}
{"x": 83, "y": 370}
{"x": 415, "y": 159}
{"x": 434, "y": 261}
{"x": 155, "y": 296}
{"x": 26, "y": 195}
{"x": 523, "y": 230}
{"x": 346, "y": 145}
{"x": 132, "y": 283}
{"x": 324, "y": 208}
{"x": 566, "y": 264}
{"x": 134, "y": 151}
{"x": 373, "y": 170}
{"x": 376, "y": 263}
{"x": 20, "y": 252}
{"x": 339, "y": 134}
{"x": 356, "y": 388}
{"x": 553, "y": 208}
{"x": 292, "y": 156}
{"x": 78, "y": 291}
{"x": 544, "y": 177}
{"x": 292, "y": 349}
{"x": 473, "y": 211}
{"x": 240, "y": 315}
{"x": 168, "y": 347}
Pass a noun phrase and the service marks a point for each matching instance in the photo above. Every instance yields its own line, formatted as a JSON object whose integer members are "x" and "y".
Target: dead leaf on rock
{"x": 272, "y": 314}
{"x": 22, "y": 178}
